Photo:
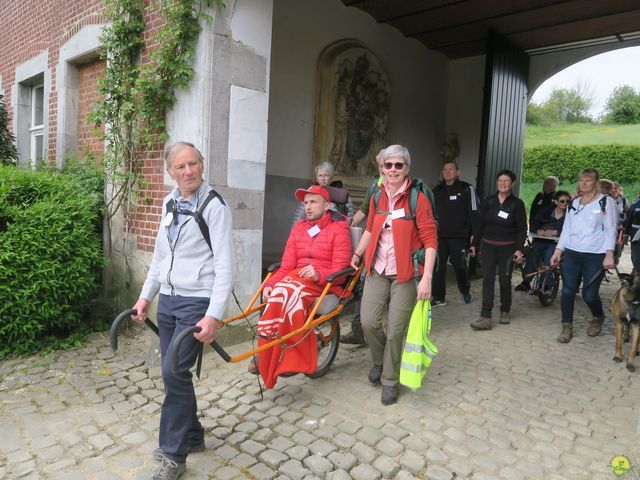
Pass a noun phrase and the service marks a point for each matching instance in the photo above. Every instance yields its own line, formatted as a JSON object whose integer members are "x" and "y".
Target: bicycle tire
{"x": 328, "y": 350}
{"x": 547, "y": 299}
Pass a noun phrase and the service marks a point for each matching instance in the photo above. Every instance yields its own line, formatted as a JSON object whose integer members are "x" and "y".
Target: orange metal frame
{"x": 310, "y": 323}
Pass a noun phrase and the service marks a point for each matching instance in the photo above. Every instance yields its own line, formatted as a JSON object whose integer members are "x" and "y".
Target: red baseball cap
{"x": 315, "y": 189}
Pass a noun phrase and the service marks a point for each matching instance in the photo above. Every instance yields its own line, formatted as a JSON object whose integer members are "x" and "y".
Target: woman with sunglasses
{"x": 586, "y": 248}
{"x": 501, "y": 235}
{"x": 391, "y": 236}
{"x": 548, "y": 223}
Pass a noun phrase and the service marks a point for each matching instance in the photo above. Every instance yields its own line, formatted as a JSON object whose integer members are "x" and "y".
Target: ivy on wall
{"x": 135, "y": 97}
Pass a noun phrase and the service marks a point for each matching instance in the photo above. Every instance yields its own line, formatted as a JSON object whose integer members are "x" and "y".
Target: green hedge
{"x": 615, "y": 162}
{"x": 50, "y": 255}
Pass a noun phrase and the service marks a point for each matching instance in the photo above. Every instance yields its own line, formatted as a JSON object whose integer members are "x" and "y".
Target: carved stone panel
{"x": 352, "y": 110}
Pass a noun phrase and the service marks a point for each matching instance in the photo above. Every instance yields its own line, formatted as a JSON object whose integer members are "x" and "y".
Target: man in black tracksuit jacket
{"x": 457, "y": 209}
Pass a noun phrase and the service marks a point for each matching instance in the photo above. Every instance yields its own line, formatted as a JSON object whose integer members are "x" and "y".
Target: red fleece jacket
{"x": 328, "y": 251}
{"x": 406, "y": 237}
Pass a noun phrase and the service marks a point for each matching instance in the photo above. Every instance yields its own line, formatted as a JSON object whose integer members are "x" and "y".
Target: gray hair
{"x": 555, "y": 180}
{"x": 172, "y": 150}
{"x": 396, "y": 151}
{"x": 325, "y": 167}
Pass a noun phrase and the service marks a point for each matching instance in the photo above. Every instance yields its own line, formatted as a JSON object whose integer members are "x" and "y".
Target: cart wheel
{"x": 328, "y": 349}
{"x": 547, "y": 299}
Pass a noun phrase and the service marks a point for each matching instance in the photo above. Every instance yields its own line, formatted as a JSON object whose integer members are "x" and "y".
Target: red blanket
{"x": 287, "y": 309}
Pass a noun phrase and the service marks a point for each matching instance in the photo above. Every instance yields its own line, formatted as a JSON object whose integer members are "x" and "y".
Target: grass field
{"x": 581, "y": 134}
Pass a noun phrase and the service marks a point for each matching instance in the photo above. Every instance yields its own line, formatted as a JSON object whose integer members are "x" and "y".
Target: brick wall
{"x": 30, "y": 27}
{"x": 88, "y": 141}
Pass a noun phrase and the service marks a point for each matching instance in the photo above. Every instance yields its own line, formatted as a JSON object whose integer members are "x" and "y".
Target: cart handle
{"x": 175, "y": 348}
{"x": 113, "y": 333}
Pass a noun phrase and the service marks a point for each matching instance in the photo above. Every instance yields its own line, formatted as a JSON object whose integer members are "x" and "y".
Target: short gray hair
{"x": 325, "y": 167}
{"x": 172, "y": 150}
{"x": 554, "y": 179}
{"x": 396, "y": 151}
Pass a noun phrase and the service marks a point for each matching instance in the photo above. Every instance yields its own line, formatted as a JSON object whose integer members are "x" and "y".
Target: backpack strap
{"x": 376, "y": 200}
{"x": 202, "y": 223}
{"x": 172, "y": 206}
{"x": 603, "y": 204}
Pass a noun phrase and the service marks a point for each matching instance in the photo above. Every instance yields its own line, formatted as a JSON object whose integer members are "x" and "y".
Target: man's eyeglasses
{"x": 397, "y": 165}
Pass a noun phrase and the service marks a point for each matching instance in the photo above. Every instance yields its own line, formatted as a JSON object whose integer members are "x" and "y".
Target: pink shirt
{"x": 385, "y": 258}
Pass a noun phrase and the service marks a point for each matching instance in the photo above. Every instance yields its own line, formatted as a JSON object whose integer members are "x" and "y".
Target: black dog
{"x": 625, "y": 308}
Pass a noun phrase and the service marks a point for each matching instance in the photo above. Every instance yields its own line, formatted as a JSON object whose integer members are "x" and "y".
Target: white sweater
{"x": 191, "y": 269}
{"x": 587, "y": 229}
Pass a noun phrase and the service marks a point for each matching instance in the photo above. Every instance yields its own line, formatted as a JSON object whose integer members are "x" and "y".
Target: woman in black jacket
{"x": 501, "y": 234}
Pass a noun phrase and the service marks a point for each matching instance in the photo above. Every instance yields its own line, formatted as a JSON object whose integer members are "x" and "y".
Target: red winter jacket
{"x": 406, "y": 237}
{"x": 328, "y": 251}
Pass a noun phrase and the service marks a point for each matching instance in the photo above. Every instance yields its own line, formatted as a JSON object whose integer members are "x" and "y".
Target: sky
{"x": 602, "y": 73}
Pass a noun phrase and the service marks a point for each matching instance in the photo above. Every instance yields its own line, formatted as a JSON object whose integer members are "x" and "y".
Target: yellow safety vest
{"x": 418, "y": 350}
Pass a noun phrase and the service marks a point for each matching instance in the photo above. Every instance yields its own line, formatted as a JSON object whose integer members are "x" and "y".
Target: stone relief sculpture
{"x": 352, "y": 110}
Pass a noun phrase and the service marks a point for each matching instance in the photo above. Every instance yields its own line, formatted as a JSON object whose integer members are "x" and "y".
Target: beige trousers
{"x": 385, "y": 334}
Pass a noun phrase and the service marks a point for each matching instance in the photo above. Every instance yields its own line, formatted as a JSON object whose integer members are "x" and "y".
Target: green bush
{"x": 50, "y": 256}
{"x": 616, "y": 162}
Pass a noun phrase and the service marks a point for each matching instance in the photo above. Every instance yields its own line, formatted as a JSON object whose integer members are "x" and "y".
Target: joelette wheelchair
{"x": 323, "y": 320}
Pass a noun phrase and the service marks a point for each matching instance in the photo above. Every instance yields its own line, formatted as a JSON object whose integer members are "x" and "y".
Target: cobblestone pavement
{"x": 510, "y": 403}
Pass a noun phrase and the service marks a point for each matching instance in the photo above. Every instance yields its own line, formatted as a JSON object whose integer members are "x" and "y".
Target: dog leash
{"x": 594, "y": 278}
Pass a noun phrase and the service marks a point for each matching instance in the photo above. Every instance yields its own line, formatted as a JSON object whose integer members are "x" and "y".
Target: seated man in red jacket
{"x": 317, "y": 246}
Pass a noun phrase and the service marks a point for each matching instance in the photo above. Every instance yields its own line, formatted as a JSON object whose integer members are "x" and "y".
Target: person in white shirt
{"x": 586, "y": 247}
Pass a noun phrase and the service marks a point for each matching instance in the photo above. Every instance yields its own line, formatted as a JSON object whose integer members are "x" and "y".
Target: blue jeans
{"x": 179, "y": 424}
{"x": 542, "y": 252}
{"x": 585, "y": 266}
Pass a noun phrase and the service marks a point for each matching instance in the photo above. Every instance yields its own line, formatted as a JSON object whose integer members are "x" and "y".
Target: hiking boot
{"x": 595, "y": 327}
{"x": 438, "y": 303}
{"x": 566, "y": 333}
{"x": 483, "y": 323}
{"x": 505, "y": 318}
{"x": 169, "y": 469}
{"x": 158, "y": 453}
{"x": 467, "y": 297}
{"x": 375, "y": 373}
{"x": 523, "y": 287}
{"x": 389, "y": 395}
{"x": 355, "y": 336}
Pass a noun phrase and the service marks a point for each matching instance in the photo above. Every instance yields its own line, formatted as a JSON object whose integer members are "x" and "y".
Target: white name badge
{"x": 313, "y": 231}
{"x": 596, "y": 212}
{"x": 453, "y": 197}
{"x": 397, "y": 213}
{"x": 503, "y": 214}
{"x": 166, "y": 221}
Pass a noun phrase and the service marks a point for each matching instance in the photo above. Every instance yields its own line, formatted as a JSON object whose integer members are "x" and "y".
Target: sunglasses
{"x": 563, "y": 201}
{"x": 396, "y": 165}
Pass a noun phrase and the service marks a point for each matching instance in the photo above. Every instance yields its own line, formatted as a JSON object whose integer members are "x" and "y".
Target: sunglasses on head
{"x": 397, "y": 165}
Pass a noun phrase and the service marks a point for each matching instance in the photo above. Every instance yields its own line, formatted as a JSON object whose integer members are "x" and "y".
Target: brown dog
{"x": 625, "y": 308}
